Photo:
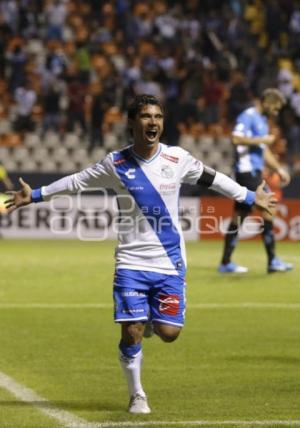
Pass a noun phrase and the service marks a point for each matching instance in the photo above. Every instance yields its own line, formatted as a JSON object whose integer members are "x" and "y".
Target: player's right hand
{"x": 268, "y": 139}
{"x": 18, "y": 198}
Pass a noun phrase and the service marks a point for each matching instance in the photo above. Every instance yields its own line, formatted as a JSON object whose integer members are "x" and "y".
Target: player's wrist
{"x": 250, "y": 197}
{"x": 36, "y": 195}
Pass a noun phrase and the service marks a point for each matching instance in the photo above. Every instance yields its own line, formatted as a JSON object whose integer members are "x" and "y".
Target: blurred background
{"x": 69, "y": 68}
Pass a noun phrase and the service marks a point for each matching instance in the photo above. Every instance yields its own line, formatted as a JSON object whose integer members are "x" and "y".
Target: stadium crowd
{"x": 70, "y": 67}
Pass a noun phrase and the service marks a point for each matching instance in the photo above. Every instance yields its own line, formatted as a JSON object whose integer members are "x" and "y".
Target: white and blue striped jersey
{"x": 250, "y": 123}
{"x": 150, "y": 236}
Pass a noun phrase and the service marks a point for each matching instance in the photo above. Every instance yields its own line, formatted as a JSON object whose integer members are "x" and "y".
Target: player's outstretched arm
{"x": 19, "y": 198}
{"x": 273, "y": 163}
{"x": 265, "y": 200}
{"x": 223, "y": 184}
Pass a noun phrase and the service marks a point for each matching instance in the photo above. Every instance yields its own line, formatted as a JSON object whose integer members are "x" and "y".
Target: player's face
{"x": 147, "y": 127}
{"x": 272, "y": 108}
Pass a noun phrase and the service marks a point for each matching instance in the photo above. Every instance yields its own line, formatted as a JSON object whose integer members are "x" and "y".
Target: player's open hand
{"x": 265, "y": 200}
{"x": 18, "y": 198}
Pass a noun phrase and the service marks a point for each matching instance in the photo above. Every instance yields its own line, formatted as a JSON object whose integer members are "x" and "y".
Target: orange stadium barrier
{"x": 216, "y": 213}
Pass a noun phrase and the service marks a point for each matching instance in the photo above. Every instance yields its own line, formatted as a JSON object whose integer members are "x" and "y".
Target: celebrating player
{"x": 251, "y": 139}
{"x": 150, "y": 257}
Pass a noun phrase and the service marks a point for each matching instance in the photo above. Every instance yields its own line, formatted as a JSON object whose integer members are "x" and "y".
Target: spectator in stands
{"x": 95, "y": 109}
{"x": 214, "y": 97}
{"x": 55, "y": 14}
{"x": 239, "y": 95}
{"x": 16, "y": 61}
{"x": 76, "y": 95}
{"x": 161, "y": 47}
{"x": 25, "y": 98}
{"x": 51, "y": 104}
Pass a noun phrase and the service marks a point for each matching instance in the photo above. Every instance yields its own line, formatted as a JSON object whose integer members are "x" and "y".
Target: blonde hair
{"x": 273, "y": 95}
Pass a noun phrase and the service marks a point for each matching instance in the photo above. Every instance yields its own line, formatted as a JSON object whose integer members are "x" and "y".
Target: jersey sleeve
{"x": 100, "y": 175}
{"x": 192, "y": 169}
{"x": 243, "y": 127}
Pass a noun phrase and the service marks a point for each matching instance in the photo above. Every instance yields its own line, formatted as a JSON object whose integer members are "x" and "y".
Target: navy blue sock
{"x": 269, "y": 240}
{"x": 229, "y": 243}
{"x": 129, "y": 351}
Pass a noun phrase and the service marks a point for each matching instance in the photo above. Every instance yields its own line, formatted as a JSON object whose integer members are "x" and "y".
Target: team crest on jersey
{"x": 166, "y": 171}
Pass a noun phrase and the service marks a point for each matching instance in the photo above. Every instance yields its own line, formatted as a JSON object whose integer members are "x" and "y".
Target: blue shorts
{"x": 143, "y": 295}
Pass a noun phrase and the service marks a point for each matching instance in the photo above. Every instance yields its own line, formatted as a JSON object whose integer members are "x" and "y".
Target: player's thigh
{"x": 167, "y": 302}
{"x": 130, "y": 305}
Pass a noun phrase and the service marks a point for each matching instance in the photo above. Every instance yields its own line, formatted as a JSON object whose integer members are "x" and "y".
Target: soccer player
{"x": 150, "y": 256}
{"x": 251, "y": 139}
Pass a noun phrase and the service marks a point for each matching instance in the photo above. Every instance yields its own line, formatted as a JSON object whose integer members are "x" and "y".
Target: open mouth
{"x": 152, "y": 134}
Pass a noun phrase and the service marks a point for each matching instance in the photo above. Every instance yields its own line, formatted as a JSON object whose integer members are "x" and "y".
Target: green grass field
{"x": 235, "y": 361}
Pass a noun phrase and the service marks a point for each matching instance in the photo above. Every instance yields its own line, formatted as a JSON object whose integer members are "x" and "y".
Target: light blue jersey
{"x": 250, "y": 123}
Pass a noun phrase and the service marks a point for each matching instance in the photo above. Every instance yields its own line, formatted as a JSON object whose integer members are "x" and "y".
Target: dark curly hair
{"x": 139, "y": 101}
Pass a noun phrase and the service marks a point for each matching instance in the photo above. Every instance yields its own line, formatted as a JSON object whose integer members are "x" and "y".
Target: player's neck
{"x": 146, "y": 152}
{"x": 258, "y": 106}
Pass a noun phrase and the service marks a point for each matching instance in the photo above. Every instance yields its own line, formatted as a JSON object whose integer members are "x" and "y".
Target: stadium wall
{"x": 95, "y": 218}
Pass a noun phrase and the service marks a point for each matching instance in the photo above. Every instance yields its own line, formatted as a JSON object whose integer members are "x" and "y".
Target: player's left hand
{"x": 265, "y": 200}
{"x": 284, "y": 176}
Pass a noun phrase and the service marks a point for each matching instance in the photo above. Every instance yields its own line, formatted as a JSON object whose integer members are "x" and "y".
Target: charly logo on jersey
{"x": 130, "y": 173}
{"x": 166, "y": 171}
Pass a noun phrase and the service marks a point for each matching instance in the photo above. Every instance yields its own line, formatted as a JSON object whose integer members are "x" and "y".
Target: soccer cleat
{"x": 278, "y": 265}
{"x": 232, "y": 268}
{"x": 138, "y": 404}
{"x": 149, "y": 330}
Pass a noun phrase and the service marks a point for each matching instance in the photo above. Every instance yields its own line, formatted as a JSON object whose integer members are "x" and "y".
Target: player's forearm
{"x": 271, "y": 161}
{"x": 247, "y": 141}
{"x": 230, "y": 188}
{"x": 223, "y": 184}
{"x": 66, "y": 185}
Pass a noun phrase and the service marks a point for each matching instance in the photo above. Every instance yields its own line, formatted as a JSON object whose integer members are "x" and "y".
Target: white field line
{"x": 27, "y": 395}
{"x": 68, "y": 420}
{"x": 56, "y": 305}
{"x": 242, "y": 305}
{"x": 233, "y": 423}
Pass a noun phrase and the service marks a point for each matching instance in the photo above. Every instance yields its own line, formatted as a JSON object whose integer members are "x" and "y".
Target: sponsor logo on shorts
{"x": 133, "y": 294}
{"x": 169, "y": 304}
{"x": 132, "y": 311}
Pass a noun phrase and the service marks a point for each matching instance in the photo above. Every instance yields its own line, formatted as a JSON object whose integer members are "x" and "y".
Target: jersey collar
{"x": 147, "y": 160}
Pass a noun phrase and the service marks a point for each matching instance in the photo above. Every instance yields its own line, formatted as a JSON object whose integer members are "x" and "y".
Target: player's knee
{"x": 167, "y": 333}
{"x": 132, "y": 333}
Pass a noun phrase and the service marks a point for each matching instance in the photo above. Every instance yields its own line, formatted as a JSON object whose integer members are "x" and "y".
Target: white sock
{"x": 132, "y": 370}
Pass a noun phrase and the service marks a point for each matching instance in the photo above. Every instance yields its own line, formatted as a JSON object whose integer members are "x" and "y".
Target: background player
{"x": 4, "y": 178}
{"x": 251, "y": 139}
{"x": 150, "y": 256}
